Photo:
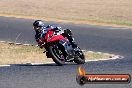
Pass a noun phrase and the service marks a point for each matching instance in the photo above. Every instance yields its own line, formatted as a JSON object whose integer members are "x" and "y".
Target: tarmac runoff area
{"x": 111, "y": 56}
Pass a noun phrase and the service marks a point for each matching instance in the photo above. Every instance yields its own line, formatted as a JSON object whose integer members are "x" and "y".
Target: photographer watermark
{"x": 83, "y": 78}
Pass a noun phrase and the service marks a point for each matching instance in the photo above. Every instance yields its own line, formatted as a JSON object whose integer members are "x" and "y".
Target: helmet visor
{"x": 37, "y": 28}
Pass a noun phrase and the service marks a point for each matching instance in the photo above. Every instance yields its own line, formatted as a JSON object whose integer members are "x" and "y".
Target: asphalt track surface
{"x": 90, "y": 37}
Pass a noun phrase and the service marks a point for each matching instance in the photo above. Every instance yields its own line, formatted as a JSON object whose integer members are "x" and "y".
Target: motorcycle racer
{"x": 58, "y": 44}
{"x": 41, "y": 31}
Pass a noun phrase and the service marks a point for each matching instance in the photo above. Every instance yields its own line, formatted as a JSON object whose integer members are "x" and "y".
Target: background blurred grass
{"x": 100, "y": 11}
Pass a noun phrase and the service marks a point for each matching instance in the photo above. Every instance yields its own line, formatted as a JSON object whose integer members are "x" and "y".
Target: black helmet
{"x": 38, "y": 24}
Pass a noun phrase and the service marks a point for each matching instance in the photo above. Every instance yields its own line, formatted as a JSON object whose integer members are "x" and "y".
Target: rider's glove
{"x": 41, "y": 45}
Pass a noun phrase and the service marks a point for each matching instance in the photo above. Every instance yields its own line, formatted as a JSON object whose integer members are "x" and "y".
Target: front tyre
{"x": 57, "y": 55}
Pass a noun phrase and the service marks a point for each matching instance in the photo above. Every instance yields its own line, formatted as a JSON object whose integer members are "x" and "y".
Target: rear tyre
{"x": 57, "y": 55}
{"x": 79, "y": 58}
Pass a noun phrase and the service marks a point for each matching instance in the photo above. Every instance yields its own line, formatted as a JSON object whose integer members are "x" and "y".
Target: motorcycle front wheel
{"x": 57, "y": 55}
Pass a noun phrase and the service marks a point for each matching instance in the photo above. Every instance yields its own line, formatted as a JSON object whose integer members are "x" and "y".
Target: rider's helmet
{"x": 37, "y": 25}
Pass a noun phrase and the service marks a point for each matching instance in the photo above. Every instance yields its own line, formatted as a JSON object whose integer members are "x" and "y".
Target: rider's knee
{"x": 68, "y": 32}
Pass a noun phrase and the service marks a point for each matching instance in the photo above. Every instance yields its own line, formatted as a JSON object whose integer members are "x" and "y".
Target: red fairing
{"x": 44, "y": 39}
{"x": 48, "y": 34}
{"x": 56, "y": 37}
{"x": 49, "y": 37}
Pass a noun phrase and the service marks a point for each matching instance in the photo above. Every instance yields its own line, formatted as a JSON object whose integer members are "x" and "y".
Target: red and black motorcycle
{"x": 60, "y": 49}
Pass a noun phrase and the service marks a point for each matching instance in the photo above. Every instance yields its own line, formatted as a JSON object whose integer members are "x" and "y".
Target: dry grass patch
{"x": 12, "y": 54}
{"x": 19, "y": 54}
{"x": 90, "y": 55}
{"x": 106, "y": 11}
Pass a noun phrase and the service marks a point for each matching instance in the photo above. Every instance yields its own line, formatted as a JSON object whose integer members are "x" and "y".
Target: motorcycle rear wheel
{"x": 80, "y": 58}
